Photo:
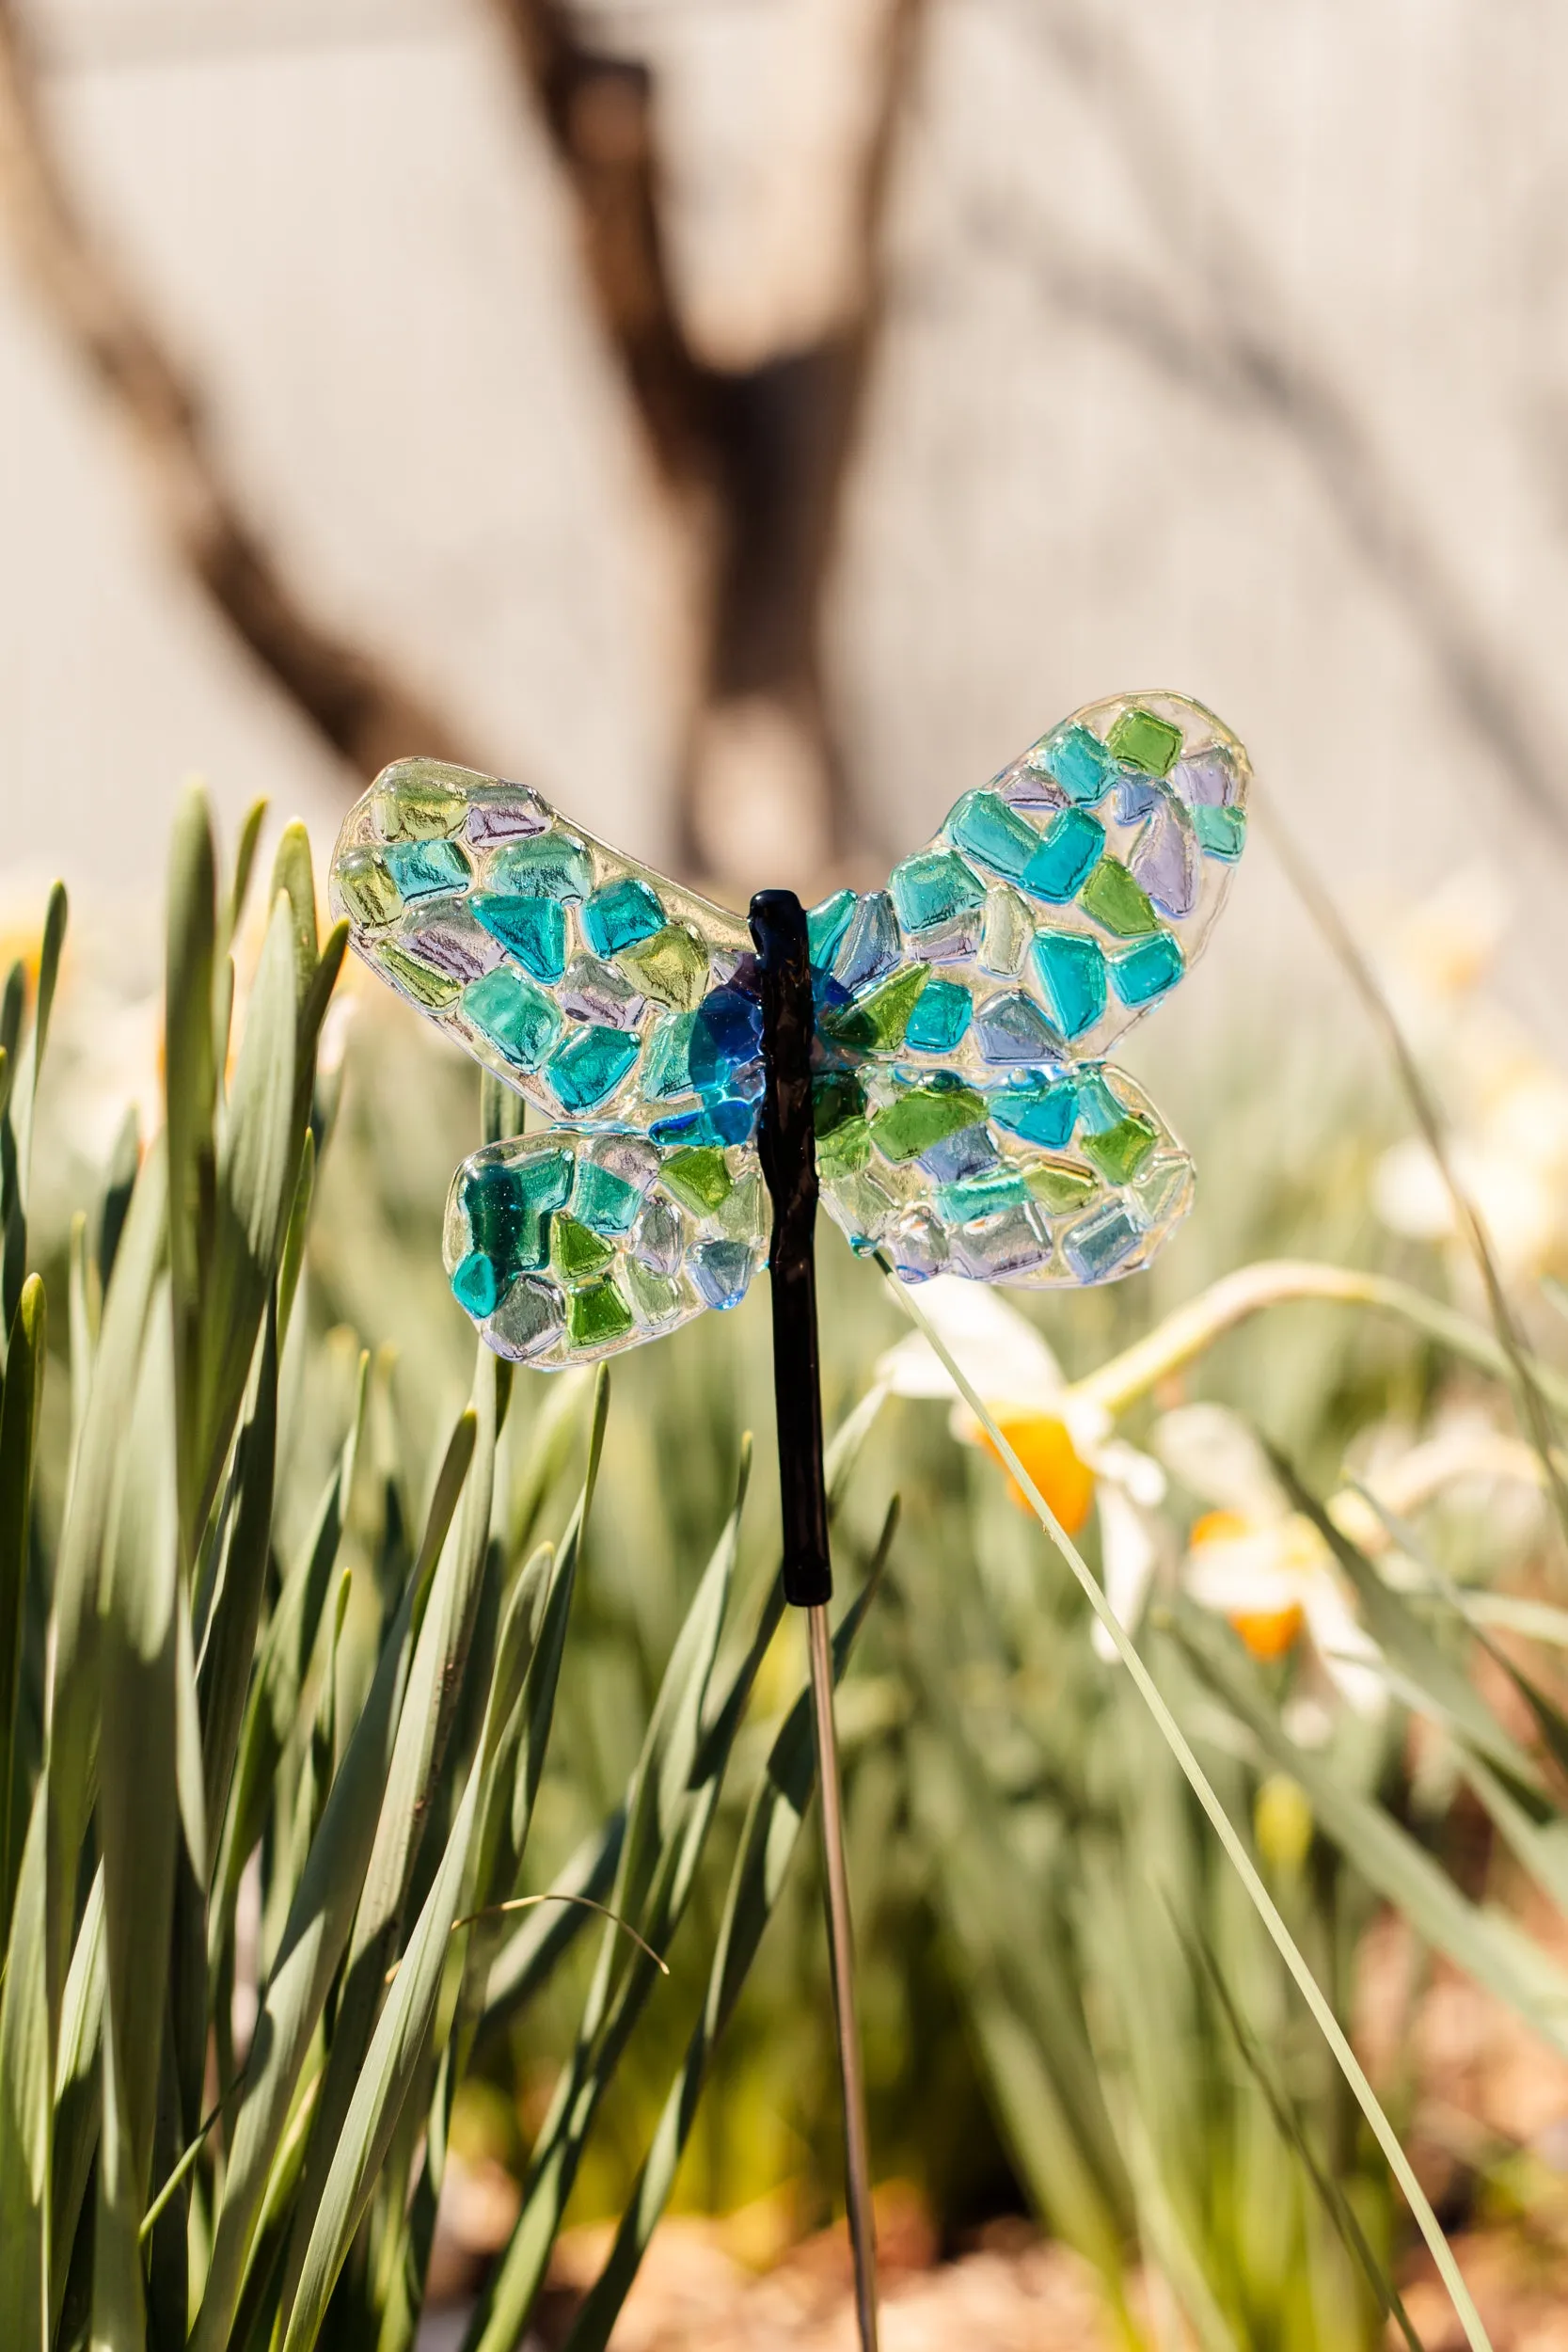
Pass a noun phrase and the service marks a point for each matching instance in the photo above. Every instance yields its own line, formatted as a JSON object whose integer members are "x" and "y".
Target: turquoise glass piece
{"x": 1011, "y": 1029}
{"x": 1079, "y": 762}
{"x": 942, "y": 1013}
{"x": 1221, "y": 831}
{"x": 545, "y": 865}
{"x": 1064, "y": 858}
{"x": 476, "y": 1285}
{"x": 590, "y": 1064}
{"x": 604, "y": 1201}
{"x": 931, "y": 890}
{"x": 1146, "y": 970}
{"x": 721, "y": 1270}
{"x": 826, "y": 925}
{"x": 533, "y": 929}
{"x": 967, "y": 1119}
{"x": 1097, "y": 1246}
{"x": 620, "y": 915}
{"x": 988, "y": 830}
{"x": 514, "y": 1014}
{"x": 668, "y": 1067}
{"x": 421, "y": 868}
{"x": 1045, "y": 1115}
{"x": 1072, "y": 971}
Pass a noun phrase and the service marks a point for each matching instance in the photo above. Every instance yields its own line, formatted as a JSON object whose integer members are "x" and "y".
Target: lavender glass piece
{"x": 1136, "y": 798}
{"x": 998, "y": 1248}
{"x": 1207, "y": 780}
{"x": 593, "y": 991}
{"x": 1166, "y": 862}
{"x": 871, "y": 945}
{"x": 658, "y": 1235}
{"x": 635, "y": 1161}
{"x": 460, "y": 950}
{"x": 506, "y": 820}
{"x": 965, "y": 1154}
{"x": 1023, "y": 787}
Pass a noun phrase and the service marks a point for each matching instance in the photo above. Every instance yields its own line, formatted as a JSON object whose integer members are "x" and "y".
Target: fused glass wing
{"x": 964, "y": 1118}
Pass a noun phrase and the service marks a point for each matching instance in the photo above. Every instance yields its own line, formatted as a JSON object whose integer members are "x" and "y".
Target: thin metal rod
{"x": 841, "y": 1954}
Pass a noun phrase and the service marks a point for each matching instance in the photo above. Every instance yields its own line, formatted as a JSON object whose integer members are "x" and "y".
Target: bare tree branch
{"x": 352, "y": 700}
{"x": 754, "y": 459}
{"x": 1237, "y": 345}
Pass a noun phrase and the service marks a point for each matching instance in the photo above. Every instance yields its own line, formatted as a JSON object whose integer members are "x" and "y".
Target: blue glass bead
{"x": 721, "y": 1270}
{"x": 726, "y": 1120}
{"x": 421, "y": 868}
{"x": 932, "y": 889}
{"x": 826, "y": 924}
{"x": 1065, "y": 858}
{"x": 982, "y": 1195}
{"x": 1136, "y": 797}
{"x": 726, "y": 1031}
{"x": 621, "y": 915}
{"x": 989, "y": 830}
{"x": 1080, "y": 763}
{"x": 942, "y": 1015}
{"x": 1221, "y": 831}
{"x": 1145, "y": 972}
{"x": 589, "y": 1065}
{"x": 533, "y": 929}
{"x": 1097, "y": 1247}
{"x": 512, "y": 1014}
{"x": 603, "y": 1201}
{"x": 667, "y": 1066}
{"x": 476, "y": 1285}
{"x": 961, "y": 1154}
{"x": 1072, "y": 971}
{"x": 1098, "y": 1107}
{"x": 1043, "y": 1115}
{"x": 1012, "y": 1028}
{"x": 871, "y": 945}
{"x": 547, "y": 866}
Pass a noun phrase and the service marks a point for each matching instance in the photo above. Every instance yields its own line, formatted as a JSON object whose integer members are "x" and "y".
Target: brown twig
{"x": 352, "y": 699}
{"x": 753, "y": 458}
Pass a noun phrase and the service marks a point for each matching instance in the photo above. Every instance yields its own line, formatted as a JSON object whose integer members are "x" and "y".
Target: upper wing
{"x": 1052, "y": 908}
{"x": 605, "y": 994}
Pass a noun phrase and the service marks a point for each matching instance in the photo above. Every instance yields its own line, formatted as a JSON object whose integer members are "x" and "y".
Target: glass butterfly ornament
{"x": 966, "y": 1120}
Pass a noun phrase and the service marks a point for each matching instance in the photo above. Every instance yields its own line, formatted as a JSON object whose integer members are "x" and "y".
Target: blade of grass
{"x": 20, "y": 1398}
{"x": 1328, "y": 2024}
{"x": 26, "y": 2104}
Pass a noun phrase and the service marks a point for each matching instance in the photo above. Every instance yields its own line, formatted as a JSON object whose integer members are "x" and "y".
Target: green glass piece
{"x": 422, "y": 869}
{"x": 476, "y": 1285}
{"x": 577, "y": 1255}
{"x": 1078, "y": 762}
{"x": 1116, "y": 901}
{"x": 1148, "y": 970}
{"x": 369, "y": 891}
{"x": 982, "y": 1195}
{"x": 1072, "y": 975}
{"x": 1119, "y": 1152}
{"x": 669, "y": 967}
{"x": 939, "y": 1018}
{"x": 433, "y": 990}
{"x": 1057, "y": 1186}
{"x": 997, "y": 836}
{"x": 844, "y": 1152}
{"x": 933, "y": 888}
{"x": 512, "y": 1014}
{"x": 699, "y": 1177}
{"x": 826, "y": 925}
{"x": 838, "y": 1095}
{"x": 918, "y": 1117}
{"x": 875, "y": 1023}
{"x": 597, "y": 1316}
{"x": 1066, "y": 852}
{"x": 658, "y": 1297}
{"x": 546, "y": 865}
{"x": 667, "y": 1067}
{"x": 1139, "y": 740}
{"x": 620, "y": 915}
{"x": 417, "y": 808}
{"x": 590, "y": 1064}
{"x": 605, "y": 1201}
{"x": 533, "y": 929}
{"x": 1221, "y": 831}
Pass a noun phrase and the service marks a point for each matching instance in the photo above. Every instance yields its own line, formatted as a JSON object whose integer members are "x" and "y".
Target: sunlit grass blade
{"x": 1366, "y": 2099}
{"x": 26, "y": 2117}
{"x": 20, "y": 1398}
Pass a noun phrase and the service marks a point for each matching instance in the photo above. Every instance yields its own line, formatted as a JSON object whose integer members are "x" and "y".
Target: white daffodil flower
{"x": 1064, "y": 1440}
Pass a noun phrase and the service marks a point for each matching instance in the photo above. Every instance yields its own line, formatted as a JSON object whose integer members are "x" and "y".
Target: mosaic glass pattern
{"x": 967, "y": 1120}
